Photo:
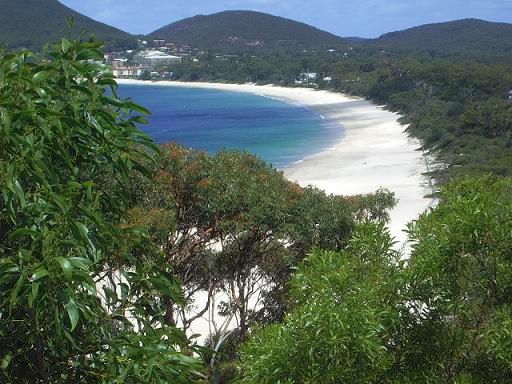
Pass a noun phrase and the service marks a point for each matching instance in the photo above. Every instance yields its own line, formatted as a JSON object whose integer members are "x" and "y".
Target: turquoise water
{"x": 207, "y": 119}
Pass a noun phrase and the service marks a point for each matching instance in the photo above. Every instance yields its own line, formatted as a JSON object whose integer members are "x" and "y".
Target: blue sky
{"x": 364, "y": 18}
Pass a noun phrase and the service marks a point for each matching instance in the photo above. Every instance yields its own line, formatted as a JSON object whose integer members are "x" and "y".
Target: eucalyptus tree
{"x": 230, "y": 223}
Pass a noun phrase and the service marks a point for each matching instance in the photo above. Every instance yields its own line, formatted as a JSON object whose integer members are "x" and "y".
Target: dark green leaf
{"x": 73, "y": 314}
{"x": 6, "y": 361}
{"x": 66, "y": 266}
{"x": 39, "y": 274}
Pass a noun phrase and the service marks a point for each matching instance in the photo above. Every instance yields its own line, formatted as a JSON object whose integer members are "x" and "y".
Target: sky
{"x": 362, "y": 18}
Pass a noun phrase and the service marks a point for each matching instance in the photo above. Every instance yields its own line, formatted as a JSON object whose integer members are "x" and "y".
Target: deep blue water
{"x": 278, "y": 132}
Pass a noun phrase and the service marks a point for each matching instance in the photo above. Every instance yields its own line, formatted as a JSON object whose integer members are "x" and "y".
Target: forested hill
{"x": 245, "y": 29}
{"x": 468, "y": 38}
{"x": 32, "y": 23}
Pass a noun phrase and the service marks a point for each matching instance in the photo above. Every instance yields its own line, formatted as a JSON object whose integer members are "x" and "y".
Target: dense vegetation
{"x": 32, "y": 23}
{"x": 363, "y": 316}
{"x": 245, "y": 29}
{"x": 239, "y": 227}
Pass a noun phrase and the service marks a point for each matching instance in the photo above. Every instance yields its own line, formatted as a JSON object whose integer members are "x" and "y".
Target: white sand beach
{"x": 375, "y": 152}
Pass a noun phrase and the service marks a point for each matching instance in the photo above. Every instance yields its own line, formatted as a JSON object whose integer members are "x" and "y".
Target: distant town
{"x": 151, "y": 60}
{"x": 154, "y": 60}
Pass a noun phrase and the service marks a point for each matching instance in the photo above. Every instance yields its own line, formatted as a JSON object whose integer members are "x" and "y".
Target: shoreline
{"x": 374, "y": 151}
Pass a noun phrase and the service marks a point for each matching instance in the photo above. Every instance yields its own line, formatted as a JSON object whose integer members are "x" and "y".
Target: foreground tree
{"x": 345, "y": 313}
{"x": 75, "y": 306}
{"x": 459, "y": 287}
{"x": 234, "y": 229}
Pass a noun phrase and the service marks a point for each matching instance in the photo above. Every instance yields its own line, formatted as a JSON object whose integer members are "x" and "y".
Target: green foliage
{"x": 339, "y": 331}
{"x": 32, "y": 23}
{"x": 74, "y": 305}
{"x": 444, "y": 316}
{"x": 460, "y": 282}
{"x": 261, "y": 226}
{"x": 225, "y": 368}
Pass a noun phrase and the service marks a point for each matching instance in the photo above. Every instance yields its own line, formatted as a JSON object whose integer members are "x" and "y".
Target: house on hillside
{"x": 510, "y": 96}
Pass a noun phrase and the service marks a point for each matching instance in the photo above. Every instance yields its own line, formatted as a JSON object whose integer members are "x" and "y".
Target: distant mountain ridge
{"x": 32, "y": 23}
{"x": 463, "y": 37}
{"x": 247, "y": 29}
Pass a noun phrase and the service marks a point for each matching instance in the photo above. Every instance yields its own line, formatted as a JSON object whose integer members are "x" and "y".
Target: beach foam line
{"x": 374, "y": 152}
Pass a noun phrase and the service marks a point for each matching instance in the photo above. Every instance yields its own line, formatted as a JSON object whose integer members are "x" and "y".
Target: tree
{"x": 343, "y": 320}
{"x": 75, "y": 305}
{"x": 145, "y": 75}
{"x": 458, "y": 286}
{"x": 492, "y": 118}
{"x": 234, "y": 229}
{"x": 237, "y": 224}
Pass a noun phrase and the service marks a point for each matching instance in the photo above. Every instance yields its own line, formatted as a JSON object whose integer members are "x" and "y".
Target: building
{"x": 159, "y": 43}
{"x": 119, "y": 63}
{"x": 127, "y": 72}
{"x": 122, "y": 70}
{"x": 149, "y": 60}
{"x": 306, "y": 78}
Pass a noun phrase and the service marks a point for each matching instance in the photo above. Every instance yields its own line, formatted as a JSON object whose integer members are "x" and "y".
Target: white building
{"x": 121, "y": 69}
{"x": 127, "y": 72}
{"x": 119, "y": 63}
{"x": 149, "y": 60}
{"x": 306, "y": 78}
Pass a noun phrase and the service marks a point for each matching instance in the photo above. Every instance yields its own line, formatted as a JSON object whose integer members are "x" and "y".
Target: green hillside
{"x": 244, "y": 29}
{"x": 468, "y": 37}
{"x": 32, "y": 23}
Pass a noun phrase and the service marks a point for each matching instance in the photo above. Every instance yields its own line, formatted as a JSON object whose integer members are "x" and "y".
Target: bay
{"x": 211, "y": 120}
